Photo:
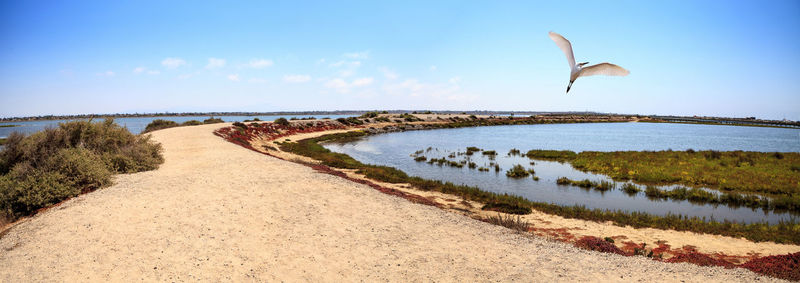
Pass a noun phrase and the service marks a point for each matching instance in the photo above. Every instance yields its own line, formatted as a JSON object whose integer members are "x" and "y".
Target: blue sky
{"x": 725, "y": 58}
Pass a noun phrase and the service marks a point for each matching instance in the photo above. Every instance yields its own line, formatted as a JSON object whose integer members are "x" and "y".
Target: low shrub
{"x": 350, "y": 121}
{"x": 490, "y": 153}
{"x": 159, "y": 124}
{"x": 213, "y": 120}
{"x": 372, "y": 114}
{"x": 511, "y": 222}
{"x": 409, "y": 118}
{"x": 191, "y": 123}
{"x": 240, "y": 125}
{"x": 281, "y": 121}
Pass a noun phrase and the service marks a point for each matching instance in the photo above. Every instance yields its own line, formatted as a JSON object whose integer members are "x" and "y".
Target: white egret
{"x": 577, "y": 70}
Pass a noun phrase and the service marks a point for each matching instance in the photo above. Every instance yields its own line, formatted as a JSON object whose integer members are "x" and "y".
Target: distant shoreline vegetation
{"x": 747, "y": 121}
{"x": 8, "y": 126}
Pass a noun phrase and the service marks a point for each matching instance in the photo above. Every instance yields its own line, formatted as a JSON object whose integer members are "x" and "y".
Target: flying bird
{"x": 578, "y": 70}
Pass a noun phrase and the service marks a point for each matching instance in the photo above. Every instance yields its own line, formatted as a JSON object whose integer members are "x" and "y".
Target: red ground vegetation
{"x": 272, "y": 131}
{"x": 598, "y": 244}
{"x": 780, "y": 266}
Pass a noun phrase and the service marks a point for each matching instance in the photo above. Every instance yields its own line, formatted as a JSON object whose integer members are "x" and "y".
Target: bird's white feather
{"x": 606, "y": 69}
{"x": 565, "y": 46}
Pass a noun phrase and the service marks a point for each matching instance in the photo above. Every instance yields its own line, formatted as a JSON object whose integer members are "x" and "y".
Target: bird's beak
{"x": 569, "y": 86}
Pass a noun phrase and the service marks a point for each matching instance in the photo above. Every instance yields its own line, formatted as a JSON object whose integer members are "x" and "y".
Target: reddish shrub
{"x": 598, "y": 244}
{"x": 780, "y": 266}
{"x": 700, "y": 259}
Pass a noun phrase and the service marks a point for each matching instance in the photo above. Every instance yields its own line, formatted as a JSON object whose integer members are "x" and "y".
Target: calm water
{"x": 137, "y": 125}
{"x": 394, "y": 149}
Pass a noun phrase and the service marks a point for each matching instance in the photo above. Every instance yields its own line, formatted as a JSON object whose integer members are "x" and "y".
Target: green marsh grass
{"x": 767, "y": 174}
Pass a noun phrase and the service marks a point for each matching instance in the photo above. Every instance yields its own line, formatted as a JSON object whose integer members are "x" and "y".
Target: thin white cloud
{"x": 106, "y": 74}
{"x": 389, "y": 74}
{"x": 143, "y": 70}
{"x": 296, "y": 78}
{"x": 214, "y": 63}
{"x": 345, "y": 63}
{"x": 342, "y": 86}
{"x": 260, "y": 63}
{"x": 357, "y": 55}
{"x": 362, "y": 81}
{"x": 432, "y": 67}
{"x": 441, "y": 91}
{"x": 172, "y": 63}
{"x": 346, "y": 73}
{"x": 233, "y": 77}
{"x": 338, "y": 84}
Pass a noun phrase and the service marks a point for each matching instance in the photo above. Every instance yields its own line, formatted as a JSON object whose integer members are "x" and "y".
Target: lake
{"x": 137, "y": 124}
{"x": 395, "y": 150}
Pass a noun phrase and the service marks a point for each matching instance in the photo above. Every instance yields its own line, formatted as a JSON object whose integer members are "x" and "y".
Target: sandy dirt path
{"x": 215, "y": 211}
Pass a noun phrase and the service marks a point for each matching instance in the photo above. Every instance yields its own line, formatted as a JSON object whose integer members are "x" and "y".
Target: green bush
{"x": 281, "y": 121}
{"x": 37, "y": 189}
{"x": 240, "y": 125}
{"x": 191, "y": 123}
{"x": 372, "y": 114}
{"x": 159, "y": 124}
{"x": 58, "y": 163}
{"x": 213, "y": 120}
{"x": 80, "y": 167}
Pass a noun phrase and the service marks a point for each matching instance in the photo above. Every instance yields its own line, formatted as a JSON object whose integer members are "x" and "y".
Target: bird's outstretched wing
{"x": 565, "y": 46}
{"x": 607, "y": 69}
